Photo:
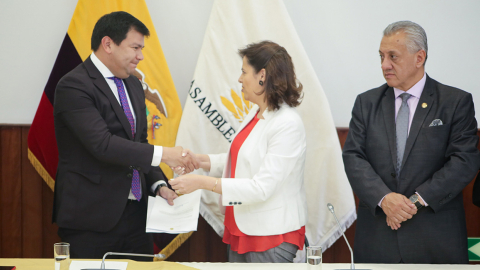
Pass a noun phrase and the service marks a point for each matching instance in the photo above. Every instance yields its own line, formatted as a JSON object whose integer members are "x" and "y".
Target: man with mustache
{"x": 410, "y": 151}
{"x": 106, "y": 166}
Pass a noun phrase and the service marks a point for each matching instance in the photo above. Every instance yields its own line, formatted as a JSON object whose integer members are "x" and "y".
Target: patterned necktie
{"x": 402, "y": 129}
{"x": 136, "y": 190}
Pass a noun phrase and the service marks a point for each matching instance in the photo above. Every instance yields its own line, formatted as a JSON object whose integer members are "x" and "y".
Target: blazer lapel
{"x": 248, "y": 118}
{"x": 101, "y": 84}
{"x": 388, "y": 108}
{"x": 419, "y": 117}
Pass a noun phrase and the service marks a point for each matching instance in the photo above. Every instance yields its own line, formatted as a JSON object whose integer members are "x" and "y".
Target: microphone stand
{"x": 332, "y": 210}
{"x": 102, "y": 266}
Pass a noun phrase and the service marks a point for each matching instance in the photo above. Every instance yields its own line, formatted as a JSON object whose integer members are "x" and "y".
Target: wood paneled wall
{"x": 26, "y": 201}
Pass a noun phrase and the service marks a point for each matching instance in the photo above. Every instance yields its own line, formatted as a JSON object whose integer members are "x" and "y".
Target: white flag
{"x": 215, "y": 108}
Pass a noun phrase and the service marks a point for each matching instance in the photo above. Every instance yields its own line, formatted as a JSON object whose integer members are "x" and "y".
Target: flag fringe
{"x": 173, "y": 245}
{"x": 41, "y": 170}
{"x": 336, "y": 232}
{"x": 211, "y": 219}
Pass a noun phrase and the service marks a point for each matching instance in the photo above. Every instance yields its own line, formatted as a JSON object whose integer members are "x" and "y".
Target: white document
{"x": 182, "y": 217}
{"x": 78, "y": 265}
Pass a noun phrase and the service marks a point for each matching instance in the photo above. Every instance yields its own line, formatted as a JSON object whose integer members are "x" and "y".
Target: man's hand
{"x": 392, "y": 224}
{"x": 177, "y": 157}
{"x": 167, "y": 194}
{"x": 398, "y": 208}
{"x": 202, "y": 159}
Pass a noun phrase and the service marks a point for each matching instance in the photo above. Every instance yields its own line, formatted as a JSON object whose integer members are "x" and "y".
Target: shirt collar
{"x": 415, "y": 90}
{"x": 268, "y": 113}
{"x": 106, "y": 73}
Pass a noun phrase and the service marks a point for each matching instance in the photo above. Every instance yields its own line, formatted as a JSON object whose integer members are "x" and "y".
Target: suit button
{"x": 449, "y": 195}
{"x": 230, "y": 203}
{"x": 129, "y": 175}
{"x": 393, "y": 174}
{"x": 441, "y": 202}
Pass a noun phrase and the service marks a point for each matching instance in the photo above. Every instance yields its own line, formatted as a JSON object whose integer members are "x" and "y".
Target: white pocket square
{"x": 436, "y": 122}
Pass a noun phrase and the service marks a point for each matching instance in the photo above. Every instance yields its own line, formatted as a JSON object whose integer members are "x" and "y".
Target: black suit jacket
{"x": 97, "y": 152}
{"x": 476, "y": 191}
{"x": 438, "y": 163}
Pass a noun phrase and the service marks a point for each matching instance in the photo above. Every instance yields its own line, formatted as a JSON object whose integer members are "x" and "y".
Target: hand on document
{"x": 167, "y": 194}
{"x": 178, "y": 218}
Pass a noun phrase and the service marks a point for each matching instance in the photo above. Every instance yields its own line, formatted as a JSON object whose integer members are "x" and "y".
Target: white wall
{"x": 340, "y": 37}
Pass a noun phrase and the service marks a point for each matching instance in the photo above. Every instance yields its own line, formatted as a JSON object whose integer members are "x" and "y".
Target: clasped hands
{"x": 398, "y": 209}
{"x": 177, "y": 157}
{"x": 183, "y": 161}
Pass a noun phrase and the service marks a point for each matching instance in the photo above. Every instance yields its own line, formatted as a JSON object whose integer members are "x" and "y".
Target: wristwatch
{"x": 159, "y": 187}
{"x": 414, "y": 199}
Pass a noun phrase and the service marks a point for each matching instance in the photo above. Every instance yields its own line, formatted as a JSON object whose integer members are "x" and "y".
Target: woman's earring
{"x": 260, "y": 82}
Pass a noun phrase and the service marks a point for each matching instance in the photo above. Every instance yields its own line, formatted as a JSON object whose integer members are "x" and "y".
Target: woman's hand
{"x": 203, "y": 161}
{"x": 185, "y": 184}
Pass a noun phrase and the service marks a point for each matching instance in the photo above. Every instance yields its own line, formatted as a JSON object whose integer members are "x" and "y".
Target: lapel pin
{"x": 424, "y": 105}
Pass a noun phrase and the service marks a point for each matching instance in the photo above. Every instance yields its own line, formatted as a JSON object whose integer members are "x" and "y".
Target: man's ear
{"x": 107, "y": 44}
{"x": 420, "y": 58}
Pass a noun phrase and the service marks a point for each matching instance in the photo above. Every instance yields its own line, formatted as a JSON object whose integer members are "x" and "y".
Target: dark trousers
{"x": 127, "y": 236}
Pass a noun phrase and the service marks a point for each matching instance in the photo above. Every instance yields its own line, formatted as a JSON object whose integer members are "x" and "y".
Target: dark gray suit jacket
{"x": 97, "y": 152}
{"x": 438, "y": 163}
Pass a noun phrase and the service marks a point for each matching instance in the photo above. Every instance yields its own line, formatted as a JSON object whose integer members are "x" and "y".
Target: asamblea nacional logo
{"x": 236, "y": 105}
{"x": 239, "y": 107}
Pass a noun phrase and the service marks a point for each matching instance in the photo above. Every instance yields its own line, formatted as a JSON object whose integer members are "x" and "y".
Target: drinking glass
{"x": 61, "y": 252}
{"x": 314, "y": 257}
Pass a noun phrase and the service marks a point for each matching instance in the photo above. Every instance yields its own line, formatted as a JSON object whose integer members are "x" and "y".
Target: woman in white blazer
{"x": 262, "y": 173}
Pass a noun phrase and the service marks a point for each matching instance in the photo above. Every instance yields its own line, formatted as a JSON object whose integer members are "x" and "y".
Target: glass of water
{"x": 61, "y": 252}
{"x": 314, "y": 256}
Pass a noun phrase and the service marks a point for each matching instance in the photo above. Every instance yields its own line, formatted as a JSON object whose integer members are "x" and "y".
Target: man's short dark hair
{"x": 116, "y": 25}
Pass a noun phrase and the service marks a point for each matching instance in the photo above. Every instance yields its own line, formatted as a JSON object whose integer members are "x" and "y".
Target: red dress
{"x": 238, "y": 241}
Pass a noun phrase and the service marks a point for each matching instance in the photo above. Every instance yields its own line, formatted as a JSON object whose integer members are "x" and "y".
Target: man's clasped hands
{"x": 398, "y": 209}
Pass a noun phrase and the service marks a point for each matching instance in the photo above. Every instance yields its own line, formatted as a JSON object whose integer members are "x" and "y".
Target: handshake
{"x": 183, "y": 161}
{"x": 180, "y": 160}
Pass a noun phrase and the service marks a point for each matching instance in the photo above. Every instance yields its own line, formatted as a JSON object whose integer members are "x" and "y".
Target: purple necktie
{"x": 136, "y": 190}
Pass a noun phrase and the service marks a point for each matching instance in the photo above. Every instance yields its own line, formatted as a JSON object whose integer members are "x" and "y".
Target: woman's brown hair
{"x": 280, "y": 81}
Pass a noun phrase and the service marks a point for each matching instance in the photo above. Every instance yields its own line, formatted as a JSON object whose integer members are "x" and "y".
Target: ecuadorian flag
{"x": 163, "y": 106}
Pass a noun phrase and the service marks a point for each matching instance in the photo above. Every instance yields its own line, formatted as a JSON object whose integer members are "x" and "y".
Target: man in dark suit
{"x": 106, "y": 166}
{"x": 410, "y": 151}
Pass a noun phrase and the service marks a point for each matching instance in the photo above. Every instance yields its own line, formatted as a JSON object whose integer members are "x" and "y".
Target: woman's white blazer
{"x": 267, "y": 193}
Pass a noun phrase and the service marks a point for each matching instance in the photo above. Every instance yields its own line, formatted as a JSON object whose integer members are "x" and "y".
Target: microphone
{"x": 102, "y": 266}
{"x": 332, "y": 210}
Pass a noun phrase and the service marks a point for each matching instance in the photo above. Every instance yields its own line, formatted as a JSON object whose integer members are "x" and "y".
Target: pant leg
{"x": 127, "y": 236}
{"x": 136, "y": 240}
{"x": 234, "y": 257}
{"x": 284, "y": 253}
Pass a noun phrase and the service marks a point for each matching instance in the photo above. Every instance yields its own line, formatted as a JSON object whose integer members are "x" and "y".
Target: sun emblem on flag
{"x": 239, "y": 107}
